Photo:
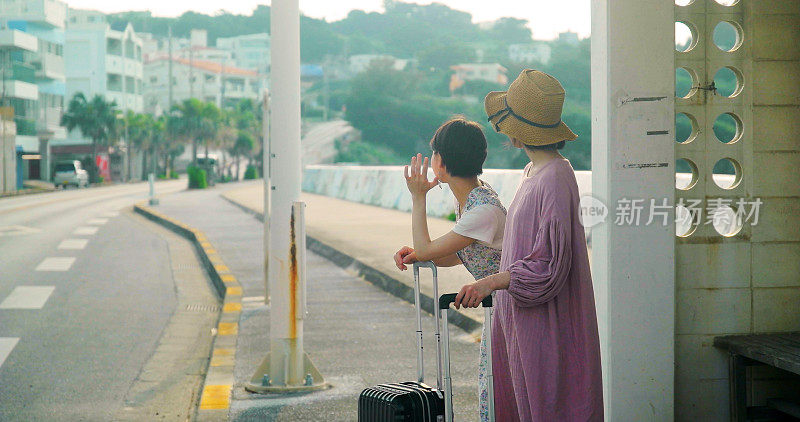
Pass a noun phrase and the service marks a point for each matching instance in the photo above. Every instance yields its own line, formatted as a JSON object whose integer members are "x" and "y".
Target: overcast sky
{"x": 547, "y": 18}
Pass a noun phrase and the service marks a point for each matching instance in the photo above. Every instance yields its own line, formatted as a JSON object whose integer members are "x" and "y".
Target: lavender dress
{"x": 545, "y": 350}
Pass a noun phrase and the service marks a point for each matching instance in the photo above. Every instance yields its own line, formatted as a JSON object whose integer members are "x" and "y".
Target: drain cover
{"x": 203, "y": 308}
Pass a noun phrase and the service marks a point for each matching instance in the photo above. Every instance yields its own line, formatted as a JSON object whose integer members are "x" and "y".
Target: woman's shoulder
{"x": 484, "y": 195}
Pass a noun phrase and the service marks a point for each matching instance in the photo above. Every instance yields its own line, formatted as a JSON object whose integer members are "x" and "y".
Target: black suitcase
{"x": 416, "y": 401}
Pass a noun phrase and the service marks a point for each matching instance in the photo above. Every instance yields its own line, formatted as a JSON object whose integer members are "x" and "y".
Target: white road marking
{"x": 27, "y": 297}
{"x": 56, "y": 264}
{"x": 17, "y": 230}
{"x": 110, "y": 214}
{"x": 73, "y": 244}
{"x": 85, "y": 230}
{"x": 6, "y": 346}
{"x": 253, "y": 299}
{"x": 97, "y": 221}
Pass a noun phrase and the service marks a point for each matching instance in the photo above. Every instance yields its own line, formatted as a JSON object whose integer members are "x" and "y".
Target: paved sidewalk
{"x": 367, "y": 233}
{"x": 356, "y": 334}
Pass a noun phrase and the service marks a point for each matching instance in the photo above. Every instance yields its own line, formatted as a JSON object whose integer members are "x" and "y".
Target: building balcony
{"x": 21, "y": 90}
{"x": 49, "y": 123}
{"x": 49, "y": 66}
{"x": 114, "y": 64}
{"x": 133, "y": 67}
{"x": 45, "y": 12}
{"x": 13, "y": 39}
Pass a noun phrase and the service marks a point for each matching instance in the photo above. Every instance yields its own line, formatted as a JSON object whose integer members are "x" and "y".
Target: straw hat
{"x": 530, "y": 111}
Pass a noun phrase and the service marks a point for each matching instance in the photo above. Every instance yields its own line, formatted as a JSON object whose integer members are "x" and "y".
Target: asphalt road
{"x": 85, "y": 292}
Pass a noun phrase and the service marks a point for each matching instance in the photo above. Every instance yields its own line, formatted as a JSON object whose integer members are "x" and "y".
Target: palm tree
{"x": 137, "y": 134}
{"x": 185, "y": 122}
{"x": 245, "y": 143}
{"x": 96, "y": 119}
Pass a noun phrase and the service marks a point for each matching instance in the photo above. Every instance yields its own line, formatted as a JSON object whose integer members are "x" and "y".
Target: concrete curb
{"x": 215, "y": 398}
{"x": 380, "y": 279}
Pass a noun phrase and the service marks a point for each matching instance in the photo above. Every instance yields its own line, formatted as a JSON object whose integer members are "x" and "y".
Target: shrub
{"x": 251, "y": 173}
{"x": 451, "y": 216}
{"x": 173, "y": 174}
{"x": 197, "y": 177}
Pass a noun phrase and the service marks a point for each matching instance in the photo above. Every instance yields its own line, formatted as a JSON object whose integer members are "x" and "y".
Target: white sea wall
{"x": 385, "y": 186}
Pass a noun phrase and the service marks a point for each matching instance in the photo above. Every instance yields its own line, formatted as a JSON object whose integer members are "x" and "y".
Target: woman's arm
{"x": 425, "y": 248}
{"x": 448, "y": 261}
{"x": 472, "y": 294}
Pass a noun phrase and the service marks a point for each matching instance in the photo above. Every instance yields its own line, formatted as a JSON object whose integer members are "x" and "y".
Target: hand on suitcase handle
{"x": 446, "y": 299}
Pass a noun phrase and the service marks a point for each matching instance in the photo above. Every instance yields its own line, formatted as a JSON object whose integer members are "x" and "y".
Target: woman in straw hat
{"x": 545, "y": 347}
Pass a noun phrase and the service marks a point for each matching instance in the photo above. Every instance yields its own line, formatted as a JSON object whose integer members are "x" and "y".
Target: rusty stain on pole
{"x": 293, "y": 270}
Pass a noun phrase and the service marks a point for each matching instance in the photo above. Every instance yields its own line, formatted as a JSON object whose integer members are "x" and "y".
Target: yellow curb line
{"x": 232, "y": 307}
{"x": 228, "y": 328}
{"x": 216, "y": 397}
{"x": 213, "y": 397}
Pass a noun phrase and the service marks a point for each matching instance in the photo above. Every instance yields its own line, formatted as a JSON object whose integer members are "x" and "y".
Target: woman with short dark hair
{"x": 459, "y": 150}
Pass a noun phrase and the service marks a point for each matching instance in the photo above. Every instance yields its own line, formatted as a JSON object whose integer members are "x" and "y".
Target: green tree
{"x": 243, "y": 147}
{"x": 96, "y": 119}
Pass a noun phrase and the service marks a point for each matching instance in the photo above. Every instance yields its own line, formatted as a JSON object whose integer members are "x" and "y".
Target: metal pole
{"x": 286, "y": 330}
{"x": 286, "y": 368}
{"x": 169, "y": 64}
{"x": 266, "y": 153}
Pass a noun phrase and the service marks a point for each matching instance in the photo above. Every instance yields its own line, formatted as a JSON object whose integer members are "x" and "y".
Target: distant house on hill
{"x": 529, "y": 53}
{"x": 488, "y": 72}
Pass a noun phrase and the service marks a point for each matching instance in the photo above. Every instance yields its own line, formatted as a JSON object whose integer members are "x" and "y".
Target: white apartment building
{"x": 204, "y": 80}
{"x": 248, "y": 51}
{"x": 103, "y": 60}
{"x": 32, "y": 61}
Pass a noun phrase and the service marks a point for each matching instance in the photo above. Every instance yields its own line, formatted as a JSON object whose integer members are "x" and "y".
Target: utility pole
{"x": 221, "y": 82}
{"x": 191, "y": 71}
{"x": 169, "y": 84}
{"x": 325, "y": 88}
{"x": 286, "y": 367}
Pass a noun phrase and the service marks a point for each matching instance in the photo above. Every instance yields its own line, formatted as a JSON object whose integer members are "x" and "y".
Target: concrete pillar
{"x": 8, "y": 156}
{"x": 45, "y": 163}
{"x": 633, "y": 159}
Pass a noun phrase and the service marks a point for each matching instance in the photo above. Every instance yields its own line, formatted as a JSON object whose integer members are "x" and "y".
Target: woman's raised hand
{"x": 404, "y": 256}
{"x": 417, "y": 176}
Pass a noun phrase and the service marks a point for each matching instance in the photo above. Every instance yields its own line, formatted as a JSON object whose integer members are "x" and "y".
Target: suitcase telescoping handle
{"x": 438, "y": 337}
{"x": 444, "y": 304}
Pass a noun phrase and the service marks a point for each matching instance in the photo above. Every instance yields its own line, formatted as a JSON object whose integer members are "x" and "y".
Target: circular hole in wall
{"x": 683, "y": 2}
{"x": 685, "y": 128}
{"x": 725, "y": 220}
{"x": 686, "y": 222}
{"x": 728, "y": 128}
{"x": 685, "y": 36}
{"x": 685, "y": 174}
{"x": 685, "y": 81}
{"x": 728, "y": 82}
{"x": 727, "y": 2}
{"x": 727, "y": 173}
{"x": 727, "y": 36}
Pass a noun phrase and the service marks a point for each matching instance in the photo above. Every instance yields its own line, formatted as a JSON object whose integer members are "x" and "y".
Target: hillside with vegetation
{"x": 398, "y": 111}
